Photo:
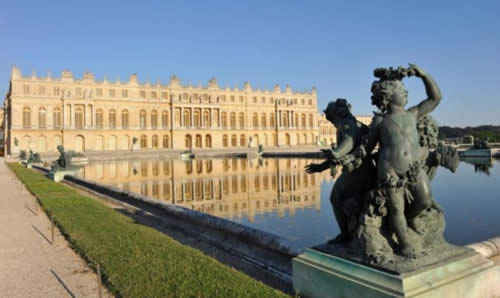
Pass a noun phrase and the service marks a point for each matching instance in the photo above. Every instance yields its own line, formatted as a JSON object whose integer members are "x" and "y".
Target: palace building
{"x": 90, "y": 115}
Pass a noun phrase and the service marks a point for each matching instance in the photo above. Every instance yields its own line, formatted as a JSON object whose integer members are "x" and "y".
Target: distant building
{"x": 90, "y": 115}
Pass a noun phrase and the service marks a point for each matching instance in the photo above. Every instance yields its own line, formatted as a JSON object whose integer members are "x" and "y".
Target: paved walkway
{"x": 30, "y": 266}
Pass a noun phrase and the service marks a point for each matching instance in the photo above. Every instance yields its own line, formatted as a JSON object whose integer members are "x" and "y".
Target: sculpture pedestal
{"x": 316, "y": 274}
{"x": 135, "y": 147}
{"x": 58, "y": 175}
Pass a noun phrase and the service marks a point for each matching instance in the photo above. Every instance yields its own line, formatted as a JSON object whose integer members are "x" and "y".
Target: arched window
{"x": 234, "y": 141}
{"x": 79, "y": 117}
{"x": 310, "y": 121}
{"x": 164, "y": 119}
{"x": 206, "y": 118}
{"x": 112, "y": 118}
{"x": 287, "y": 139}
{"x": 187, "y": 117}
{"x": 154, "y": 119}
{"x": 154, "y": 142}
{"x": 142, "y": 119}
{"x": 198, "y": 140}
{"x": 285, "y": 119}
{"x": 241, "y": 120}
{"x": 99, "y": 118}
{"x": 188, "y": 141}
{"x": 264, "y": 120}
{"x": 274, "y": 141}
{"x": 303, "y": 120}
{"x": 224, "y": 119}
{"x": 224, "y": 141}
{"x": 165, "y": 141}
{"x": 298, "y": 139}
{"x": 57, "y": 117}
{"x": 271, "y": 120}
{"x": 208, "y": 141}
{"x": 144, "y": 142}
{"x": 197, "y": 118}
{"x": 242, "y": 140}
{"x": 296, "y": 120}
{"x": 125, "y": 118}
{"x": 42, "y": 118}
{"x": 255, "y": 120}
{"x": 233, "y": 120}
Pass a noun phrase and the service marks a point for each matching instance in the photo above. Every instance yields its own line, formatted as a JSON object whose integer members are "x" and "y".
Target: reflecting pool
{"x": 277, "y": 196}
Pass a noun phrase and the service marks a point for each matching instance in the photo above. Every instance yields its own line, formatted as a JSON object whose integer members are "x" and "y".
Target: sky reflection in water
{"x": 470, "y": 197}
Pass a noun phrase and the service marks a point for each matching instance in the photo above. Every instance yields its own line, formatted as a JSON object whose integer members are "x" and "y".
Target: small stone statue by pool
{"x": 383, "y": 203}
{"x": 64, "y": 160}
{"x": 34, "y": 157}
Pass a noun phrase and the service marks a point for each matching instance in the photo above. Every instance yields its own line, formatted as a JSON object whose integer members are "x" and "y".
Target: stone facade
{"x": 90, "y": 115}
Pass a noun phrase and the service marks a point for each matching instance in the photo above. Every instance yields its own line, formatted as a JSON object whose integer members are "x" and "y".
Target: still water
{"x": 277, "y": 196}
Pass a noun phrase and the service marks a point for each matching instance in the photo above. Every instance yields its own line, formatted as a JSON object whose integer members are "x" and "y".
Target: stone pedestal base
{"x": 316, "y": 274}
{"x": 135, "y": 147}
{"x": 57, "y": 176}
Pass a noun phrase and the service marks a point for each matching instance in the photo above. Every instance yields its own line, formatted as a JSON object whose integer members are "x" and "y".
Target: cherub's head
{"x": 389, "y": 89}
{"x": 337, "y": 110}
{"x": 386, "y": 93}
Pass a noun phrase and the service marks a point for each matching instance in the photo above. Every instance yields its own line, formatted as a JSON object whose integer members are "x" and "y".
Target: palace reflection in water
{"x": 228, "y": 188}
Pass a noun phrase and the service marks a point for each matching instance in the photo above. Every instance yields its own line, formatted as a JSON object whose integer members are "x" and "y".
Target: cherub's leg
{"x": 397, "y": 219}
{"x": 422, "y": 196}
{"x": 336, "y": 198}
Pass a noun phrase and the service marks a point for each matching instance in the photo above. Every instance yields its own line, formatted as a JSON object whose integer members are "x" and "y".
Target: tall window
{"x": 99, "y": 118}
{"x": 165, "y": 141}
{"x": 164, "y": 119}
{"x": 57, "y": 117}
{"x": 112, "y": 118}
{"x": 303, "y": 120}
{"x": 187, "y": 117}
{"x": 144, "y": 142}
{"x": 241, "y": 120}
{"x": 56, "y": 91}
{"x": 142, "y": 119}
{"x": 124, "y": 93}
{"x": 310, "y": 121}
{"x": 264, "y": 120}
{"x": 79, "y": 118}
{"x": 154, "y": 119}
{"x": 26, "y": 117}
{"x": 255, "y": 120}
{"x": 189, "y": 141}
{"x": 224, "y": 119}
{"x": 154, "y": 142}
{"x": 198, "y": 141}
{"x": 26, "y": 89}
{"x": 206, "y": 118}
{"x": 234, "y": 141}
{"x": 224, "y": 141}
{"x": 197, "y": 118}
{"x": 208, "y": 141}
{"x": 142, "y": 94}
{"x": 125, "y": 118}
{"x": 233, "y": 120}
{"x": 42, "y": 118}
{"x": 112, "y": 92}
{"x": 271, "y": 120}
{"x": 242, "y": 140}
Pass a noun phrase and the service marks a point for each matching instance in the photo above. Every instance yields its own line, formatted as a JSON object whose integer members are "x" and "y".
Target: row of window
{"x": 206, "y": 121}
{"x": 99, "y": 92}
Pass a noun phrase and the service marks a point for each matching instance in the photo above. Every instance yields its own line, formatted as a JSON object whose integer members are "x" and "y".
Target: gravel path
{"x": 30, "y": 265}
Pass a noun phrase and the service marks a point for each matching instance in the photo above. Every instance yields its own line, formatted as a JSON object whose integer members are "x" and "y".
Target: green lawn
{"x": 136, "y": 261}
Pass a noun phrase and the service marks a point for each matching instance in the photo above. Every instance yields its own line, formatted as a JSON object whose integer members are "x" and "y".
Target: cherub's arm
{"x": 348, "y": 134}
{"x": 432, "y": 91}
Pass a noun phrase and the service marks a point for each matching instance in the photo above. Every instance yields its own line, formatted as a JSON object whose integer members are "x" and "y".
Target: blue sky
{"x": 333, "y": 45}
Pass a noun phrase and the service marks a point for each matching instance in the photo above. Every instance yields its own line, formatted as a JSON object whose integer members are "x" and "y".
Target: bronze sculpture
{"x": 383, "y": 201}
